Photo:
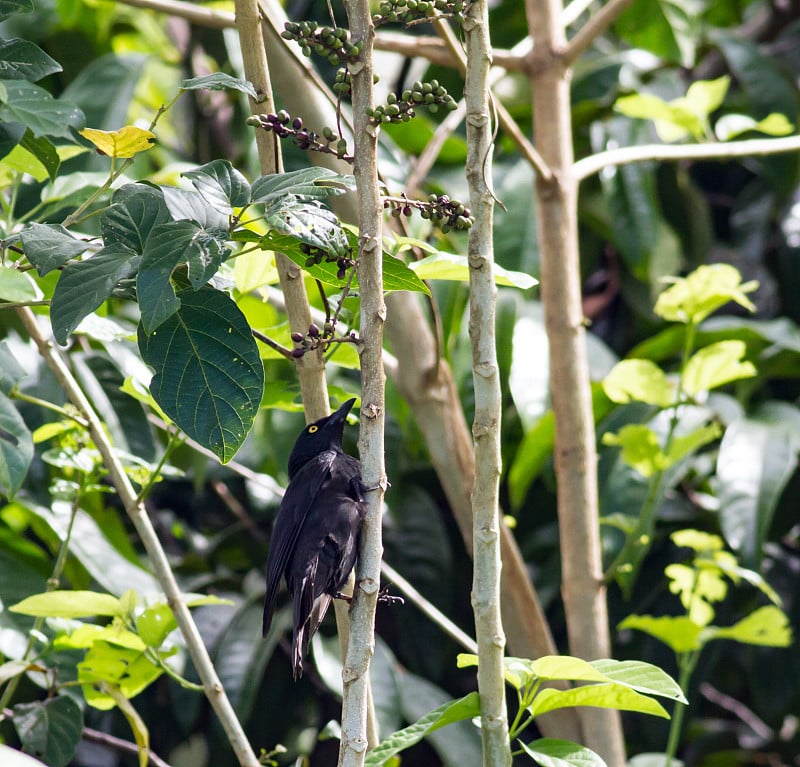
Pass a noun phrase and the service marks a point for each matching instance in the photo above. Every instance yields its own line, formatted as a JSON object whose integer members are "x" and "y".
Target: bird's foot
{"x": 384, "y": 597}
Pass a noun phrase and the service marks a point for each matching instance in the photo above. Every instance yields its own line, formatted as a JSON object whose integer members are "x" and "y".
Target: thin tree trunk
{"x": 488, "y": 399}
{"x": 575, "y": 454}
{"x": 355, "y": 676}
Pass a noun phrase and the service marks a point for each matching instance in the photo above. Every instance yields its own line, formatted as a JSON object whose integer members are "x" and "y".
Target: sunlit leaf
{"x": 716, "y": 365}
{"x": 640, "y": 381}
{"x": 449, "y": 266}
{"x": 123, "y": 143}
{"x": 640, "y": 448}
{"x": 551, "y": 752}
{"x": 768, "y": 626}
{"x": 680, "y": 633}
{"x": 68, "y": 604}
{"x": 606, "y": 695}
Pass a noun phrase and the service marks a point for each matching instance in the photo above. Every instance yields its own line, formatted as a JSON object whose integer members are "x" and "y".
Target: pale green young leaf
{"x": 705, "y": 96}
{"x": 566, "y": 667}
{"x": 68, "y": 604}
{"x": 607, "y": 695}
{"x": 640, "y": 448}
{"x": 688, "y": 443}
{"x": 731, "y": 126}
{"x": 679, "y": 632}
{"x": 551, "y": 752}
{"x": 767, "y": 626}
{"x": 87, "y": 635}
{"x": 642, "y": 677}
{"x": 706, "y": 289}
{"x": 17, "y": 286}
{"x": 639, "y": 381}
{"x": 698, "y": 540}
{"x": 449, "y": 266}
{"x": 697, "y": 589}
{"x": 716, "y": 365}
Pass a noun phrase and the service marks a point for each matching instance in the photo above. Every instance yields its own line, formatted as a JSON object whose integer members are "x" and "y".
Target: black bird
{"x": 315, "y": 538}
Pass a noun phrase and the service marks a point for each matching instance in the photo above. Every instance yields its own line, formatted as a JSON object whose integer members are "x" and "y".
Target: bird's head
{"x": 317, "y": 437}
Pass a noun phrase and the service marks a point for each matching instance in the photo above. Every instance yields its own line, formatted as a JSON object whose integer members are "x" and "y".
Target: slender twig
{"x": 158, "y": 558}
{"x": 594, "y": 27}
{"x": 43, "y": 403}
{"x": 588, "y": 166}
{"x": 266, "y": 340}
{"x": 574, "y": 10}
{"x": 118, "y": 744}
{"x": 238, "y": 510}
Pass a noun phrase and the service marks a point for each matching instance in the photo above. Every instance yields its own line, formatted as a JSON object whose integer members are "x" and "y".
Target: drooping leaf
{"x": 208, "y": 373}
{"x": 641, "y": 381}
{"x": 453, "y": 711}
{"x": 48, "y": 246}
{"x": 23, "y": 60}
{"x": 314, "y": 183}
{"x": 679, "y": 632}
{"x": 85, "y": 285}
{"x": 68, "y": 604}
{"x": 50, "y": 729}
{"x": 35, "y": 108}
{"x": 16, "y": 448}
{"x": 221, "y": 185}
{"x": 219, "y": 81}
{"x": 756, "y": 461}
{"x": 123, "y": 143}
{"x": 552, "y": 752}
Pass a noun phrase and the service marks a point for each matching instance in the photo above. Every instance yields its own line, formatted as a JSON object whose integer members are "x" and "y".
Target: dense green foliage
{"x": 695, "y": 388}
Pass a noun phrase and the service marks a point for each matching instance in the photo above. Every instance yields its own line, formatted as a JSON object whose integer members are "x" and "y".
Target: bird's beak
{"x": 341, "y": 414}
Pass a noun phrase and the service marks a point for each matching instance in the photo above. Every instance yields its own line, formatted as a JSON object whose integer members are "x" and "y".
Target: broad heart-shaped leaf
{"x": 68, "y": 604}
{"x": 605, "y": 695}
{"x": 208, "y": 373}
{"x": 680, "y": 633}
{"x": 10, "y": 7}
{"x": 221, "y": 185}
{"x": 48, "y": 246}
{"x": 38, "y": 110}
{"x": 22, "y": 60}
{"x": 51, "y": 729}
{"x": 124, "y": 143}
{"x": 641, "y": 381}
{"x": 551, "y": 752}
{"x": 219, "y": 81}
{"x": 170, "y": 244}
{"x": 706, "y": 289}
{"x": 452, "y": 711}
{"x": 396, "y": 275}
{"x": 716, "y": 365}
{"x": 135, "y": 211}
{"x": 640, "y": 676}
{"x": 312, "y": 183}
{"x": 16, "y": 448}
{"x": 84, "y": 285}
{"x": 756, "y": 461}
{"x": 308, "y": 222}
{"x": 767, "y": 626}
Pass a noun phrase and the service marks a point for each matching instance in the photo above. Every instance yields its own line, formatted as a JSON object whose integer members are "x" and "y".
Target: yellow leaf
{"x": 125, "y": 142}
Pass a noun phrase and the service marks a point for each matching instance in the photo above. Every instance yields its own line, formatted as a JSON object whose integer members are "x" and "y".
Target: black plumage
{"x": 315, "y": 539}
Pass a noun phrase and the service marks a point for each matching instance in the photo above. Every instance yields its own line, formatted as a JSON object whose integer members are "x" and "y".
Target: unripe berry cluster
{"x": 440, "y": 208}
{"x": 318, "y": 255}
{"x": 284, "y": 126}
{"x": 330, "y": 42}
{"x": 415, "y": 11}
{"x": 431, "y": 95}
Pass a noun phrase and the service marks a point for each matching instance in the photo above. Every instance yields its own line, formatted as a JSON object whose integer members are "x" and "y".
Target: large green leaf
{"x": 23, "y": 60}
{"x": 208, "y": 373}
{"x": 679, "y": 632}
{"x": 137, "y": 209}
{"x": 715, "y": 365}
{"x": 11, "y": 372}
{"x": 50, "y": 729}
{"x": 313, "y": 183}
{"x": 449, "y": 266}
{"x": 49, "y": 246}
{"x": 11, "y": 7}
{"x": 551, "y": 752}
{"x": 768, "y": 626}
{"x": 35, "y": 108}
{"x": 43, "y": 150}
{"x": 68, "y": 604}
{"x": 452, "y": 711}
{"x": 17, "y": 286}
{"x": 219, "y": 81}
{"x": 641, "y": 381}
{"x": 663, "y": 27}
{"x": 168, "y": 245}
{"x": 16, "y": 448}
{"x": 755, "y": 462}
{"x": 85, "y": 285}
{"x": 607, "y": 695}
{"x": 308, "y": 222}
{"x": 640, "y": 676}
{"x": 221, "y": 185}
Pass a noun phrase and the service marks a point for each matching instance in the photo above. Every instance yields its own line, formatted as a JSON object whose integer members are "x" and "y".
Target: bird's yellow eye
{"x": 313, "y": 428}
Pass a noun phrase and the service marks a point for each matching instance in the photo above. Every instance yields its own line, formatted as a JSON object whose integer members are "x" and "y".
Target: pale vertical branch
{"x": 486, "y": 380}
{"x": 311, "y": 366}
{"x": 355, "y": 675}
{"x": 575, "y": 454}
{"x": 134, "y": 507}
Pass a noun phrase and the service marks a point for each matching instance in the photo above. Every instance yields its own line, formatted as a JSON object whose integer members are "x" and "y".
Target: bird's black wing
{"x": 294, "y": 508}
